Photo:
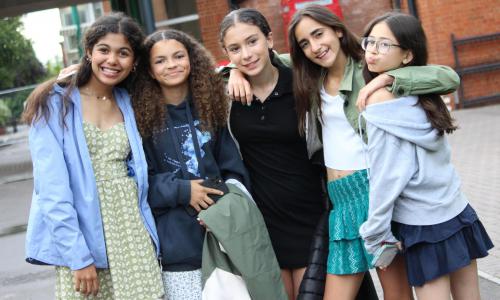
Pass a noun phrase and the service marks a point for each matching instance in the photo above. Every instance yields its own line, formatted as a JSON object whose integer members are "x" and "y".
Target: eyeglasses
{"x": 381, "y": 46}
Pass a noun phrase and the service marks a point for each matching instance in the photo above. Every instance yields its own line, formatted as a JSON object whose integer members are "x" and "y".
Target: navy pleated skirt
{"x": 432, "y": 251}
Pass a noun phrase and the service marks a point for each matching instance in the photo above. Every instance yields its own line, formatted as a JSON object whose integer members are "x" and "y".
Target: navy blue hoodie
{"x": 181, "y": 236}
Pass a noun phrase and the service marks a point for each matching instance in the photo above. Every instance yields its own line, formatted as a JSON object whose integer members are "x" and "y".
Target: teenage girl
{"x": 89, "y": 215}
{"x": 286, "y": 186}
{"x": 181, "y": 111}
{"x": 412, "y": 181}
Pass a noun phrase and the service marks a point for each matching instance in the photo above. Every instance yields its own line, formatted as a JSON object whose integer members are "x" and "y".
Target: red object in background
{"x": 289, "y": 7}
{"x": 223, "y": 63}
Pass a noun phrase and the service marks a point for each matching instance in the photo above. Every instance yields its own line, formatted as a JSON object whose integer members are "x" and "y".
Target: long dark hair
{"x": 37, "y": 106}
{"x": 205, "y": 85}
{"x": 410, "y": 36}
{"x": 306, "y": 74}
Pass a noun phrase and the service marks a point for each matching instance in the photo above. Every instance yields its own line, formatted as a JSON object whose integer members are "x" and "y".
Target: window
{"x": 72, "y": 42}
{"x": 182, "y": 15}
{"x": 82, "y": 13}
{"x": 98, "y": 10}
{"x": 176, "y": 8}
{"x": 66, "y": 16}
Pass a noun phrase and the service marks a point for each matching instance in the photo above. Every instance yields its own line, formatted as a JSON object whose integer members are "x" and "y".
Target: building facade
{"x": 474, "y": 25}
{"x": 74, "y": 21}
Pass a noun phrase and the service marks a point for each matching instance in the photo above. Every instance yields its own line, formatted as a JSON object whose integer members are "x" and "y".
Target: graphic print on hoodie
{"x": 185, "y": 138}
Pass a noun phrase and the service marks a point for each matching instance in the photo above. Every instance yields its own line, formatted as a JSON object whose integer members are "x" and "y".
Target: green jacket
{"x": 431, "y": 79}
{"x": 236, "y": 224}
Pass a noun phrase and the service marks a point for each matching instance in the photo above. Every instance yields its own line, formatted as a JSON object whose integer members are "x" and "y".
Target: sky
{"x": 42, "y": 27}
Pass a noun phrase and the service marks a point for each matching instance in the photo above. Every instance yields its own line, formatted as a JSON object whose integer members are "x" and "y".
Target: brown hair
{"x": 306, "y": 74}
{"x": 205, "y": 85}
{"x": 37, "y": 105}
{"x": 411, "y": 36}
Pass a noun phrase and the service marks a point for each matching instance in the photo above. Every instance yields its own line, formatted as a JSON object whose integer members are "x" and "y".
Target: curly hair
{"x": 205, "y": 86}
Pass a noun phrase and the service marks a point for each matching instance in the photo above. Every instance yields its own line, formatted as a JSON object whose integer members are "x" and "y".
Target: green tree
{"x": 5, "y": 114}
{"x": 18, "y": 63}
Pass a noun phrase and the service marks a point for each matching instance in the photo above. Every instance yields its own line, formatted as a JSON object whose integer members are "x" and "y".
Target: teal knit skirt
{"x": 349, "y": 195}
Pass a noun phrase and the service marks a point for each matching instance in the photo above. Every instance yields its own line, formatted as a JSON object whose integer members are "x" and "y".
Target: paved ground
{"x": 476, "y": 155}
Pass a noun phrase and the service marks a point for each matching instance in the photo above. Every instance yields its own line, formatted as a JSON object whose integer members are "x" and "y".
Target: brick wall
{"x": 463, "y": 18}
{"x": 357, "y": 13}
{"x": 271, "y": 9}
{"x": 440, "y": 18}
{"x": 211, "y": 13}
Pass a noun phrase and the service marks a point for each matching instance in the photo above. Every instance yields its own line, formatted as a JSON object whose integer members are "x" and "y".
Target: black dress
{"x": 285, "y": 185}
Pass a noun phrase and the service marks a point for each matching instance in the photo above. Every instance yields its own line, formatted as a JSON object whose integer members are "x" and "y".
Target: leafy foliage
{"x": 5, "y": 114}
{"x": 18, "y": 63}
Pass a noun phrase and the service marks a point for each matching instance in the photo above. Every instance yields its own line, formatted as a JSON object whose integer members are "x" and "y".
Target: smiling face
{"x": 393, "y": 59}
{"x": 248, "y": 48}
{"x": 169, "y": 63}
{"x": 320, "y": 43}
{"x": 112, "y": 59}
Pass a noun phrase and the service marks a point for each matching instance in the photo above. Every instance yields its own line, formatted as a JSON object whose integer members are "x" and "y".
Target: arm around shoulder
{"x": 421, "y": 80}
{"x": 379, "y": 96}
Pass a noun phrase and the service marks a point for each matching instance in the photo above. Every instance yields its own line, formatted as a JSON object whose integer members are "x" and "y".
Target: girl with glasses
{"x": 413, "y": 186}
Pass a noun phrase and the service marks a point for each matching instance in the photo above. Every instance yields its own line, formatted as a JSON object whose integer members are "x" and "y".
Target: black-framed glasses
{"x": 381, "y": 46}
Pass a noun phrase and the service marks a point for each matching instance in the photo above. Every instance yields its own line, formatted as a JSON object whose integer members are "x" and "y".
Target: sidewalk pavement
{"x": 15, "y": 162}
{"x": 475, "y": 154}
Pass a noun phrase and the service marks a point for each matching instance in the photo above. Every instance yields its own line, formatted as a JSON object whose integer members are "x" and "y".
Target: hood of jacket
{"x": 405, "y": 118}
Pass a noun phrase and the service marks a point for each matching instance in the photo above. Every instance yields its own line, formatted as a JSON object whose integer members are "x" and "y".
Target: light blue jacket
{"x": 65, "y": 224}
{"x": 412, "y": 180}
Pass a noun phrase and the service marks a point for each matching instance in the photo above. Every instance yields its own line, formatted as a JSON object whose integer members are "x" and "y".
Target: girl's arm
{"x": 53, "y": 190}
{"x": 422, "y": 80}
{"x": 392, "y": 165}
{"x": 238, "y": 87}
{"x": 167, "y": 191}
{"x": 413, "y": 80}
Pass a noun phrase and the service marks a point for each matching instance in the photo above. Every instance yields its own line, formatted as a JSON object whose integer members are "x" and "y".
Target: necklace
{"x": 98, "y": 97}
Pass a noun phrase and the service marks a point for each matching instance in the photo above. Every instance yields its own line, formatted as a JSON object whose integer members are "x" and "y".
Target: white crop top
{"x": 342, "y": 146}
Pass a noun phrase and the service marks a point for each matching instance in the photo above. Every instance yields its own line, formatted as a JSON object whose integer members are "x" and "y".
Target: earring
{"x": 88, "y": 59}
{"x": 134, "y": 68}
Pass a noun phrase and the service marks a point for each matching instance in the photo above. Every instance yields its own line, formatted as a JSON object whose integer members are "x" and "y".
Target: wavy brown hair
{"x": 205, "y": 86}
{"x": 37, "y": 105}
{"x": 410, "y": 36}
{"x": 306, "y": 74}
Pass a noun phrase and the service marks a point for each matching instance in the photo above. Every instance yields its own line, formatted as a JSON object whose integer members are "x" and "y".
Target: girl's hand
{"x": 377, "y": 83}
{"x": 68, "y": 71}
{"x": 86, "y": 281}
{"x": 399, "y": 246}
{"x": 199, "y": 195}
{"x": 238, "y": 87}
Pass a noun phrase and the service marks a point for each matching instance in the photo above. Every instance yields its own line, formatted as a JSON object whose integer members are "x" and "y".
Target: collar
{"x": 285, "y": 81}
{"x": 346, "y": 83}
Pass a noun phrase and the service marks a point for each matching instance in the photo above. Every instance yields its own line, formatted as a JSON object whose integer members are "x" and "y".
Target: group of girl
{"x": 121, "y": 149}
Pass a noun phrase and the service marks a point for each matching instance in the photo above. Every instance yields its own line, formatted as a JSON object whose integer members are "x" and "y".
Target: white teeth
{"x": 322, "y": 54}
{"x": 110, "y": 70}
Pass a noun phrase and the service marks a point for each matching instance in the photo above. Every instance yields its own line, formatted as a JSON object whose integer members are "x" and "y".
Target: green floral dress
{"x": 133, "y": 270}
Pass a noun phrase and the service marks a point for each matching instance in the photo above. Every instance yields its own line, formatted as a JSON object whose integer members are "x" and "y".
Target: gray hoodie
{"x": 412, "y": 180}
